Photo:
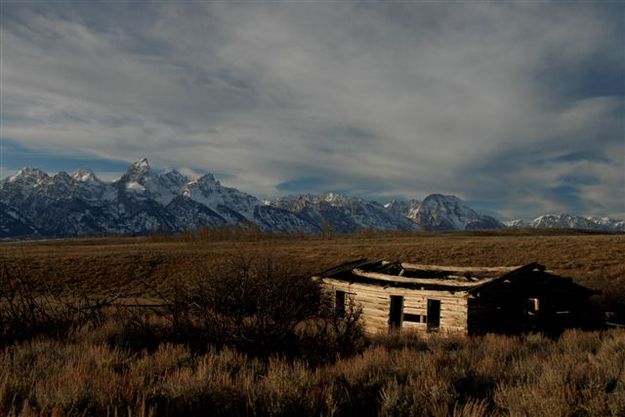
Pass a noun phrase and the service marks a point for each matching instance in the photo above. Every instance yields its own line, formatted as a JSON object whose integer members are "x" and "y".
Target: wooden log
{"x": 359, "y": 287}
{"x": 375, "y": 302}
{"x": 456, "y": 282}
{"x": 453, "y": 268}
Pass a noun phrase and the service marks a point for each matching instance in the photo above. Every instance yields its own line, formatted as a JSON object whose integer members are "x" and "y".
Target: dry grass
{"x": 129, "y": 365}
{"x": 127, "y": 264}
{"x": 581, "y": 374}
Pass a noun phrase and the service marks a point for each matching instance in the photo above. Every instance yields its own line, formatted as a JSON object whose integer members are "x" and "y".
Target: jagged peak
{"x": 443, "y": 197}
{"x": 435, "y": 202}
{"x": 555, "y": 216}
{"x": 63, "y": 176}
{"x": 175, "y": 177}
{"x": 140, "y": 166}
{"x": 28, "y": 173}
{"x": 137, "y": 170}
{"x": 84, "y": 175}
{"x": 330, "y": 197}
{"x": 207, "y": 179}
{"x": 142, "y": 163}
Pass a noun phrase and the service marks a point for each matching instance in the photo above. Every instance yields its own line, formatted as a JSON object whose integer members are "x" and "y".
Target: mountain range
{"x": 567, "y": 221}
{"x": 33, "y": 203}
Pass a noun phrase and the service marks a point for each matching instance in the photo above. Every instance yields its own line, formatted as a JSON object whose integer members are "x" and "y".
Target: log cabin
{"x": 458, "y": 299}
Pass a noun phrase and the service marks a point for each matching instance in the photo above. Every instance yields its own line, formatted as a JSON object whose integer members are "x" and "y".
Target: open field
{"x": 126, "y": 264}
{"x": 198, "y": 357}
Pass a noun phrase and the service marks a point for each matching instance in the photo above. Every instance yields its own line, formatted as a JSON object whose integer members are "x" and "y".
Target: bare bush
{"x": 27, "y": 310}
{"x": 581, "y": 374}
{"x": 255, "y": 305}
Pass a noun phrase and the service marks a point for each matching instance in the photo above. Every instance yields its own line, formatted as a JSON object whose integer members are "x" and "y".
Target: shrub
{"x": 27, "y": 310}
{"x": 257, "y": 306}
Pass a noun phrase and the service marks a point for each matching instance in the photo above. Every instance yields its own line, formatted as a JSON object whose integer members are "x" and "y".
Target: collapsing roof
{"x": 433, "y": 277}
{"x": 466, "y": 300}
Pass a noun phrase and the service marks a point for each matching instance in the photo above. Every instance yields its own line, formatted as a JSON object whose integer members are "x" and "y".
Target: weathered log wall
{"x": 375, "y": 303}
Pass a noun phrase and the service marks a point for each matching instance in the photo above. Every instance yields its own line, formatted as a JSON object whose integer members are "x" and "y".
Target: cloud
{"x": 484, "y": 101}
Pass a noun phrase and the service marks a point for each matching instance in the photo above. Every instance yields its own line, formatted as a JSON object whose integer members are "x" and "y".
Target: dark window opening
{"x": 434, "y": 314}
{"x": 414, "y": 318}
{"x": 339, "y": 306}
{"x": 396, "y": 312}
{"x": 532, "y": 306}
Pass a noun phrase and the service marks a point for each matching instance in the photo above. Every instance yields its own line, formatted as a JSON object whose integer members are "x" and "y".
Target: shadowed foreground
{"x": 581, "y": 374}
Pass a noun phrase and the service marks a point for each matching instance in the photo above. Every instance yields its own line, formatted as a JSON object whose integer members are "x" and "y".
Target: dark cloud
{"x": 514, "y": 107}
{"x": 305, "y": 184}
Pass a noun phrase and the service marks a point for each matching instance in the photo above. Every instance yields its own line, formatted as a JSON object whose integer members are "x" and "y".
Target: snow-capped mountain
{"x": 140, "y": 201}
{"x": 567, "y": 221}
{"x": 34, "y": 203}
{"x": 344, "y": 214}
{"x": 235, "y": 207}
{"x": 448, "y": 212}
{"x": 60, "y": 204}
{"x": 230, "y": 203}
{"x": 516, "y": 223}
{"x": 140, "y": 183}
{"x": 403, "y": 208}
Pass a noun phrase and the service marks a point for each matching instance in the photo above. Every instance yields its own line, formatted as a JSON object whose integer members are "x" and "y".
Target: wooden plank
{"x": 456, "y": 282}
{"x": 373, "y": 298}
{"x": 411, "y": 325}
{"x": 453, "y": 268}
{"x": 375, "y": 287}
{"x": 374, "y": 312}
{"x": 453, "y": 308}
{"x": 447, "y": 305}
{"x": 458, "y": 321}
{"x": 375, "y": 303}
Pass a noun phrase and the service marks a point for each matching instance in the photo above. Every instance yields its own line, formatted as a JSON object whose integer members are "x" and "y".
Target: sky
{"x": 518, "y": 108}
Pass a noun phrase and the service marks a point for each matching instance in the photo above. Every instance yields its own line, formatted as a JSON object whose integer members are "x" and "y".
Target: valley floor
{"x": 183, "y": 363}
{"x": 128, "y": 264}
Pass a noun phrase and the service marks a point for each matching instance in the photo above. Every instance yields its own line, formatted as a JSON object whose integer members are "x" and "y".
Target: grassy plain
{"x": 126, "y": 264}
{"x": 90, "y": 370}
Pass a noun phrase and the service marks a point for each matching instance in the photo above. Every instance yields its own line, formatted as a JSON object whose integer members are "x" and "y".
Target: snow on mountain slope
{"x": 23, "y": 183}
{"x": 403, "y": 208}
{"x": 59, "y": 205}
{"x": 235, "y": 206}
{"x": 567, "y": 221}
{"x": 143, "y": 201}
{"x": 448, "y": 212}
{"x": 342, "y": 213}
{"x": 140, "y": 183}
{"x": 516, "y": 223}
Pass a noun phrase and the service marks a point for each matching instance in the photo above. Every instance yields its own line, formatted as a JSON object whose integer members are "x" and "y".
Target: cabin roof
{"x": 434, "y": 277}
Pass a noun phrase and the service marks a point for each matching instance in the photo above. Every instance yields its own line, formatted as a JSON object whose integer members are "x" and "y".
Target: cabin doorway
{"x": 434, "y": 315}
{"x": 339, "y": 305}
{"x": 396, "y": 312}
